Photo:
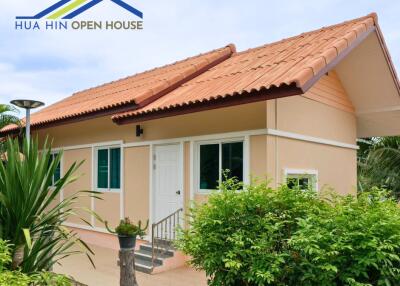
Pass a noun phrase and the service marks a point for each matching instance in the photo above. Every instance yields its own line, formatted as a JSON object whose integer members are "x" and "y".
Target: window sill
{"x": 108, "y": 190}
{"x": 205, "y": 192}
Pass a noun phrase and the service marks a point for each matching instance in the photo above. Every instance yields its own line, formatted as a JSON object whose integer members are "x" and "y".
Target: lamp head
{"x": 27, "y": 103}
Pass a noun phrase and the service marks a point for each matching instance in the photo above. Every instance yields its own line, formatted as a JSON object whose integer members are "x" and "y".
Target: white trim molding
{"x": 84, "y": 146}
{"x": 306, "y": 138}
{"x": 217, "y": 136}
{"x": 122, "y": 184}
{"x": 191, "y": 172}
{"x": 379, "y": 110}
{"x": 151, "y": 184}
{"x": 87, "y": 227}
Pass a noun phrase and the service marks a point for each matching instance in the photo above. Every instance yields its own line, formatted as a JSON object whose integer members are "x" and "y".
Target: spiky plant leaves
{"x": 30, "y": 214}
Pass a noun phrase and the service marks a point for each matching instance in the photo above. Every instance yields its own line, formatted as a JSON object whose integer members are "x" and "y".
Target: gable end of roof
{"x": 294, "y": 64}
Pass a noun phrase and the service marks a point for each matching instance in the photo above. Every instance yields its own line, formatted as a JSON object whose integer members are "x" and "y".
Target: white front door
{"x": 168, "y": 195}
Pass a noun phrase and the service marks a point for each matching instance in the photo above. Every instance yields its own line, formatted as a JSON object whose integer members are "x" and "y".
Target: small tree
{"x": 261, "y": 236}
{"x": 8, "y": 115}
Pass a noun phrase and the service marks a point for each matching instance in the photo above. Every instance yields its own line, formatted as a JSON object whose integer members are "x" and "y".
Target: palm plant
{"x": 7, "y": 117}
{"x": 31, "y": 218}
{"x": 379, "y": 165}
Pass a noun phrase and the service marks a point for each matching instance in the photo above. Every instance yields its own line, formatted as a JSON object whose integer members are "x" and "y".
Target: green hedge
{"x": 260, "y": 236}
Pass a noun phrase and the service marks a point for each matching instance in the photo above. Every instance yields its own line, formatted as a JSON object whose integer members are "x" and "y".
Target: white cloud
{"x": 51, "y": 65}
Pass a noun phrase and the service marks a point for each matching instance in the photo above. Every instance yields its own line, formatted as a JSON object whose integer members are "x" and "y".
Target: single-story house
{"x": 290, "y": 111}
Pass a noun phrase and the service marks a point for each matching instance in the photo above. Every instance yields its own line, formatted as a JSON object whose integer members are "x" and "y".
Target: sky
{"x": 51, "y": 65}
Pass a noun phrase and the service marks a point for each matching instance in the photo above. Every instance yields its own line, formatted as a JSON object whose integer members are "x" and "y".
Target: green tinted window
{"x": 232, "y": 159}
{"x": 57, "y": 172}
{"x": 115, "y": 166}
{"x": 209, "y": 166}
{"x": 102, "y": 169}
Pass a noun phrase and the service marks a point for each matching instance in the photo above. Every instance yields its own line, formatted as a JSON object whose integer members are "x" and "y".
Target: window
{"x": 303, "y": 179}
{"x": 109, "y": 168}
{"x": 57, "y": 172}
{"x": 216, "y": 157}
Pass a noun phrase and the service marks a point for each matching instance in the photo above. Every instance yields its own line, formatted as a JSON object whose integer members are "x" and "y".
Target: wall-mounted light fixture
{"x": 139, "y": 131}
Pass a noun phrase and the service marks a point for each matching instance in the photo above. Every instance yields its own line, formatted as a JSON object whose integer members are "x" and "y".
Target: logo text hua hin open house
{"x": 59, "y": 17}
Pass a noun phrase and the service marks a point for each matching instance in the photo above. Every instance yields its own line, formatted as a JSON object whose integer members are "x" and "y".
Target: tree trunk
{"x": 18, "y": 257}
{"x": 127, "y": 266}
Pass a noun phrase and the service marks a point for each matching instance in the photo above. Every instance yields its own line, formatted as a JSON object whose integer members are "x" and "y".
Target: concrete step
{"x": 147, "y": 256}
{"x": 143, "y": 257}
{"x": 167, "y": 252}
{"x": 143, "y": 266}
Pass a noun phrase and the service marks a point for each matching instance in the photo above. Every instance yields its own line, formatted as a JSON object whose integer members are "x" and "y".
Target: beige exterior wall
{"x": 84, "y": 181}
{"x": 337, "y": 167}
{"x": 137, "y": 185}
{"x": 267, "y": 158}
{"x": 258, "y": 157}
{"x": 108, "y": 209}
{"x": 237, "y": 118}
{"x": 309, "y": 117}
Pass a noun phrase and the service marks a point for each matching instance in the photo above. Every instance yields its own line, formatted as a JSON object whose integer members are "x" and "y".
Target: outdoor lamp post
{"x": 27, "y": 105}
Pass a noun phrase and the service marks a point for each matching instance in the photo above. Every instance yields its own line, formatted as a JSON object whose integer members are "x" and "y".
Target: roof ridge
{"x": 231, "y": 46}
{"x": 293, "y": 65}
{"x": 372, "y": 15}
{"x": 53, "y": 107}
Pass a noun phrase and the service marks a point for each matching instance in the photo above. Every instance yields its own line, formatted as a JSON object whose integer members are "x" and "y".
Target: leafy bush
{"x": 31, "y": 217}
{"x": 261, "y": 236}
{"x": 5, "y": 255}
{"x": 51, "y": 279}
{"x": 17, "y": 278}
{"x": 14, "y": 278}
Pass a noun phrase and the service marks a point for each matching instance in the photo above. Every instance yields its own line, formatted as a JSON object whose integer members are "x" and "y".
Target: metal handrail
{"x": 164, "y": 231}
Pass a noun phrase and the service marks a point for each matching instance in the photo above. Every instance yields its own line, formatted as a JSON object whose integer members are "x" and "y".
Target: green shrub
{"x": 17, "y": 278}
{"x": 261, "y": 236}
{"x": 14, "y": 278}
{"x": 5, "y": 255}
{"x": 31, "y": 217}
{"x": 50, "y": 279}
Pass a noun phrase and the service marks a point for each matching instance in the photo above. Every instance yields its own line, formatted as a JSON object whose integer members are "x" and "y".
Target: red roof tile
{"x": 133, "y": 91}
{"x": 293, "y": 61}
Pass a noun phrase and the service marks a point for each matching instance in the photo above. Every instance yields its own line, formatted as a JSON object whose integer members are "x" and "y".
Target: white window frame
{"x": 196, "y": 170}
{"x": 95, "y": 169}
{"x": 301, "y": 173}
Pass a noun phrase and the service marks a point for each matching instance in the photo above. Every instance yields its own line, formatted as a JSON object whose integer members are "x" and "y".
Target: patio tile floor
{"x": 107, "y": 272}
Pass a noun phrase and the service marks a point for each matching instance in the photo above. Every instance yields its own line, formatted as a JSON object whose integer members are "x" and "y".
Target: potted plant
{"x": 127, "y": 232}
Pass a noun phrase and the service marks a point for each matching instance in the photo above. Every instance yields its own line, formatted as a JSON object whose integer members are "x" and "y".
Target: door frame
{"x": 153, "y": 178}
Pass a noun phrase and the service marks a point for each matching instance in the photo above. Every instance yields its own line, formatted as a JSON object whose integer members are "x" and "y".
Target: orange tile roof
{"x": 133, "y": 91}
{"x": 293, "y": 61}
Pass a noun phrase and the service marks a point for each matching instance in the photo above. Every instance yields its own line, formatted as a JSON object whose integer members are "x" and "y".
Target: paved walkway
{"x": 107, "y": 272}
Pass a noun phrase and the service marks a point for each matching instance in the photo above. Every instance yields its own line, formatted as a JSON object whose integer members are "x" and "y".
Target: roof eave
{"x": 82, "y": 117}
{"x": 220, "y": 102}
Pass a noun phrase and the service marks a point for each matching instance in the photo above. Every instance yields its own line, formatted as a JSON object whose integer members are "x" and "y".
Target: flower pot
{"x": 126, "y": 242}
